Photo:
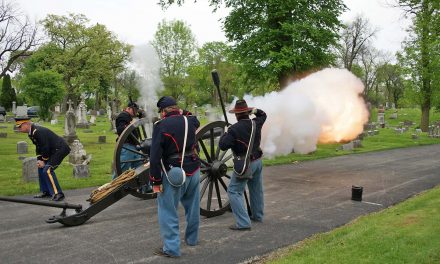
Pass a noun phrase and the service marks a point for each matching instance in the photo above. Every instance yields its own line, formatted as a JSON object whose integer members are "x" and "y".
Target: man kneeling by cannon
{"x": 51, "y": 149}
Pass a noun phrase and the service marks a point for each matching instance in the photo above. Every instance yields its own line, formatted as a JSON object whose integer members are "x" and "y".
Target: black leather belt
{"x": 188, "y": 153}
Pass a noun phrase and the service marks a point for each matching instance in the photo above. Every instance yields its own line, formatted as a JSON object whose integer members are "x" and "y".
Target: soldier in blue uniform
{"x": 123, "y": 120}
{"x": 237, "y": 138}
{"x": 166, "y": 148}
{"x": 51, "y": 149}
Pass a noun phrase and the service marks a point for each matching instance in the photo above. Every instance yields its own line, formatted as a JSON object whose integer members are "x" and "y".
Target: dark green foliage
{"x": 43, "y": 88}
{"x": 8, "y": 93}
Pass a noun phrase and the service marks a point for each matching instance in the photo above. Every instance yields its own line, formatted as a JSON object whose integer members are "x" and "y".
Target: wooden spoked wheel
{"x": 131, "y": 140}
{"x": 215, "y": 173}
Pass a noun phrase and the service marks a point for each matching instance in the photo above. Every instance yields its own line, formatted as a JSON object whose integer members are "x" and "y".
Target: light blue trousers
{"x": 128, "y": 155}
{"x": 236, "y": 196}
{"x": 168, "y": 201}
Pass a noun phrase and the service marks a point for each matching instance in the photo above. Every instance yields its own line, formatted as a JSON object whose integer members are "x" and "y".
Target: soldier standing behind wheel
{"x": 123, "y": 120}
{"x": 51, "y": 150}
{"x": 237, "y": 138}
{"x": 168, "y": 157}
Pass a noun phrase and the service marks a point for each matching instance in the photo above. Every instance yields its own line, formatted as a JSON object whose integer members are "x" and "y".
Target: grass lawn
{"x": 406, "y": 233}
{"x": 11, "y": 182}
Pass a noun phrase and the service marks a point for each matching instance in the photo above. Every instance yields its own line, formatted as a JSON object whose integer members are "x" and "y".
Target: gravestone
{"x": 21, "y": 111}
{"x": 81, "y": 171}
{"x": 102, "y": 139}
{"x": 109, "y": 112}
{"x": 30, "y": 170}
{"x": 54, "y": 119}
{"x": 393, "y": 116}
{"x": 414, "y": 136}
{"x": 3, "y": 135}
{"x": 14, "y": 107}
{"x": 93, "y": 115}
{"x": 82, "y": 114}
{"x": 348, "y": 146}
{"x": 2, "y": 118}
{"x": 77, "y": 153}
{"x": 57, "y": 108}
{"x": 22, "y": 147}
{"x": 357, "y": 143}
{"x": 69, "y": 124}
{"x": 381, "y": 119}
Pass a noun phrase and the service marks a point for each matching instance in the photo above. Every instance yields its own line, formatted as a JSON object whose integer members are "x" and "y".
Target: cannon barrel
{"x": 63, "y": 205}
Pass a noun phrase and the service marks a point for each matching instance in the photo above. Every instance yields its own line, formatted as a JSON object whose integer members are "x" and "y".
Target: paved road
{"x": 301, "y": 199}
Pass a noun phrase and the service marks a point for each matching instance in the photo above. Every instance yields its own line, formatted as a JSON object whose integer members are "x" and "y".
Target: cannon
{"x": 214, "y": 177}
{"x": 215, "y": 173}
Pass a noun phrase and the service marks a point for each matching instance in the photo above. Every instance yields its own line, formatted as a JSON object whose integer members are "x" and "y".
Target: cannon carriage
{"x": 214, "y": 171}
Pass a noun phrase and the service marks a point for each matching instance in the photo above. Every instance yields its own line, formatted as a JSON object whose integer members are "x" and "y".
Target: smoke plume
{"x": 146, "y": 63}
{"x": 325, "y": 107}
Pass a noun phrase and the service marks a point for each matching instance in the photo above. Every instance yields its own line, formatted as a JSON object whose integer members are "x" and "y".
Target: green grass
{"x": 11, "y": 182}
{"x": 406, "y": 233}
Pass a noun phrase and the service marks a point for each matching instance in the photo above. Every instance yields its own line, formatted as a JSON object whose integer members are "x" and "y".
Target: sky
{"x": 135, "y": 21}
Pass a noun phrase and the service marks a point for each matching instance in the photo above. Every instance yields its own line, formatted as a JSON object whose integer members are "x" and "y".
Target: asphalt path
{"x": 301, "y": 199}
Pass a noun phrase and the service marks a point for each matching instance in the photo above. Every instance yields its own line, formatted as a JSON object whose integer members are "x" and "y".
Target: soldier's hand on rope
{"x": 157, "y": 188}
{"x": 254, "y": 111}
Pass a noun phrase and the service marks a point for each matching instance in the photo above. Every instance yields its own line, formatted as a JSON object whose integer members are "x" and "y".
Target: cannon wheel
{"x": 214, "y": 175}
{"x": 135, "y": 131}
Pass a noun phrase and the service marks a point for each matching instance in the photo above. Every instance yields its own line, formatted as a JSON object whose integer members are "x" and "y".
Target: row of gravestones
{"x": 77, "y": 158}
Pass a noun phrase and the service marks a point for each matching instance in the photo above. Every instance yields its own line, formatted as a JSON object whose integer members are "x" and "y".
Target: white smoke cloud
{"x": 323, "y": 107}
{"x": 146, "y": 63}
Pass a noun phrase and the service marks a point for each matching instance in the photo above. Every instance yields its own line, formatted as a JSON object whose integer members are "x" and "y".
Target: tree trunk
{"x": 424, "y": 122}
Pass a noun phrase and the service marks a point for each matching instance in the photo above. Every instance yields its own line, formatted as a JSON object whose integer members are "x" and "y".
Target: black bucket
{"x": 356, "y": 193}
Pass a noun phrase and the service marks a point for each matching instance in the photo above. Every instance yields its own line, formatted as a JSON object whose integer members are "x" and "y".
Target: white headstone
{"x": 21, "y": 111}
{"x": 22, "y": 147}
{"x": 109, "y": 112}
{"x": 14, "y": 107}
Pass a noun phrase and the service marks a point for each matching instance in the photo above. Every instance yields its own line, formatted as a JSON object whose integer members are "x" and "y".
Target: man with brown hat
{"x": 238, "y": 138}
{"x": 51, "y": 149}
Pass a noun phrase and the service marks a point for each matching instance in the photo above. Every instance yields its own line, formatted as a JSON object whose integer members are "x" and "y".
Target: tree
{"x": 390, "y": 77}
{"x": 8, "y": 93}
{"x": 175, "y": 45}
{"x": 273, "y": 40}
{"x": 355, "y": 41}
{"x": 17, "y": 37}
{"x": 422, "y": 52}
{"x": 88, "y": 57}
{"x": 43, "y": 88}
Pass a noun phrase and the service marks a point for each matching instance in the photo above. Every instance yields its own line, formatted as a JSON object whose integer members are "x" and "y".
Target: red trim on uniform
{"x": 191, "y": 173}
{"x": 175, "y": 142}
{"x": 242, "y": 142}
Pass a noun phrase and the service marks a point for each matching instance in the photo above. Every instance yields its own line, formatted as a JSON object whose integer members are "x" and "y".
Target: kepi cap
{"x": 21, "y": 120}
{"x": 165, "y": 101}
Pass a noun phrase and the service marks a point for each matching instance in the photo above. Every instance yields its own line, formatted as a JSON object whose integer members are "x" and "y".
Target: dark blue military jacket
{"x": 167, "y": 144}
{"x": 123, "y": 120}
{"x": 238, "y": 135}
{"x": 49, "y": 147}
